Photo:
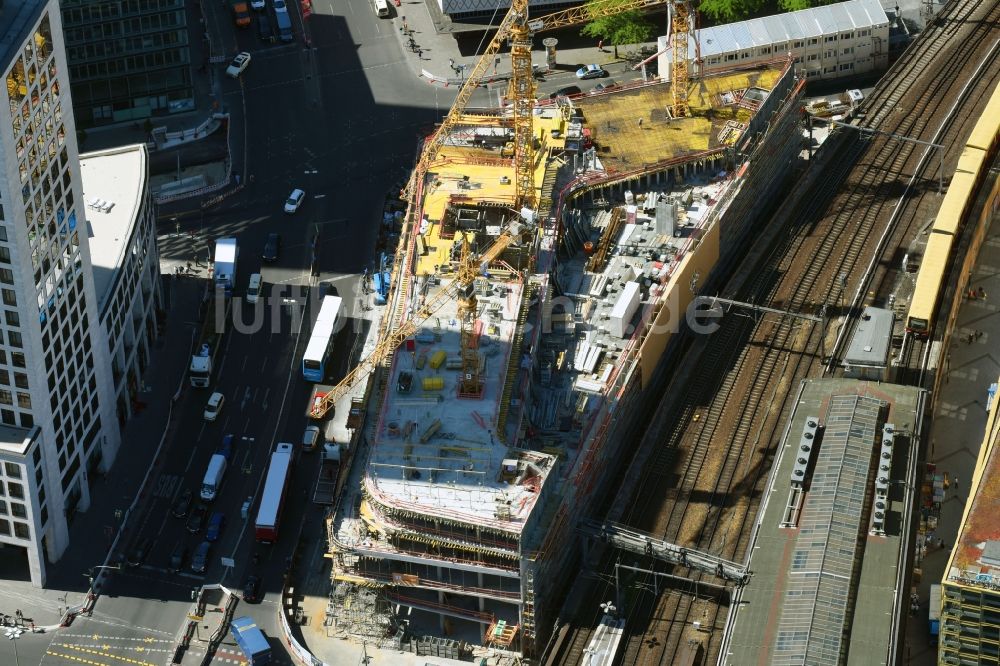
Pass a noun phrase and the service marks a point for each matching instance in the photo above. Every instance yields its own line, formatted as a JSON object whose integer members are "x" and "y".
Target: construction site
{"x": 549, "y": 256}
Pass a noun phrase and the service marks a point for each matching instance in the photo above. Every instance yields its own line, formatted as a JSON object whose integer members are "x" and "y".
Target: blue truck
{"x": 251, "y": 640}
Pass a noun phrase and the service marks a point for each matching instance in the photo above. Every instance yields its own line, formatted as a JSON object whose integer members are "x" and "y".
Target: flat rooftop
{"x": 975, "y": 559}
{"x": 116, "y": 177}
{"x": 16, "y": 440}
{"x": 870, "y": 343}
{"x": 806, "y": 569}
{"x": 17, "y": 18}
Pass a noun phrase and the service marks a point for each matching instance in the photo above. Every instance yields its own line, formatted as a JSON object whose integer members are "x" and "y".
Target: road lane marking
{"x": 244, "y": 366}
{"x": 99, "y": 654}
{"x": 191, "y": 459}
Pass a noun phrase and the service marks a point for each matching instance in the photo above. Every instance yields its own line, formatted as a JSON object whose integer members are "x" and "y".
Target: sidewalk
{"x": 441, "y": 50}
{"x": 957, "y": 430}
{"x": 91, "y": 531}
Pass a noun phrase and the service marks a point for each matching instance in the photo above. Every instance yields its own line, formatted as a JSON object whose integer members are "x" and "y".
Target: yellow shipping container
{"x": 437, "y": 360}
{"x": 433, "y": 383}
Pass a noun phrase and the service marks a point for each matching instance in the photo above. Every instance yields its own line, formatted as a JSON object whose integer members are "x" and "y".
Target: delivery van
{"x": 213, "y": 477}
{"x": 253, "y": 289}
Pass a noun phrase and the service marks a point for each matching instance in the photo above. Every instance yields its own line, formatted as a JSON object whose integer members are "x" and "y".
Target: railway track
{"x": 714, "y": 446}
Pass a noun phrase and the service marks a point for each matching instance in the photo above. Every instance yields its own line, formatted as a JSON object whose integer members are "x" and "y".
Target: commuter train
{"x": 973, "y": 167}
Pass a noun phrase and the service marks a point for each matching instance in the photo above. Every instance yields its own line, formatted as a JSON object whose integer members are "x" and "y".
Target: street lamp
{"x": 13, "y": 633}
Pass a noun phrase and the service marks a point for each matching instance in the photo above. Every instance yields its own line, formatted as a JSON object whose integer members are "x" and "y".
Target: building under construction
{"x": 535, "y": 338}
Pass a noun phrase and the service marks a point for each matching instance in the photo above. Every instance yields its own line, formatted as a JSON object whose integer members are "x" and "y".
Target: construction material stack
{"x": 329, "y": 472}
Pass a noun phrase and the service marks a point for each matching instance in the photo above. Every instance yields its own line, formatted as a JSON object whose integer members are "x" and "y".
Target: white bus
{"x": 321, "y": 341}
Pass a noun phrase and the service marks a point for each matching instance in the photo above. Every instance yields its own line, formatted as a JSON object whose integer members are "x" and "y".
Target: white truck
{"x": 215, "y": 313}
{"x": 212, "y": 482}
{"x": 226, "y": 254}
{"x": 329, "y": 473}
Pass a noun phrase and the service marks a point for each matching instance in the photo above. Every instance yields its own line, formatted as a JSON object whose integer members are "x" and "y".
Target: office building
{"x": 128, "y": 61}
{"x": 125, "y": 261}
{"x": 56, "y": 400}
{"x": 970, "y": 599}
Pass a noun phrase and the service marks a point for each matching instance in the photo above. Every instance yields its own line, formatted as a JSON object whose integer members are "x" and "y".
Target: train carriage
{"x": 925, "y": 294}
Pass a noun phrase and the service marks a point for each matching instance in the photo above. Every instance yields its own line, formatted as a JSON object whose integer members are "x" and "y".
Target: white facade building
{"x": 121, "y": 220}
{"x": 843, "y": 39}
{"x": 56, "y": 391}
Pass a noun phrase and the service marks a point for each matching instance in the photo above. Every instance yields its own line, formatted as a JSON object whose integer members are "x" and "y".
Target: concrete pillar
{"x": 441, "y": 615}
{"x": 36, "y": 562}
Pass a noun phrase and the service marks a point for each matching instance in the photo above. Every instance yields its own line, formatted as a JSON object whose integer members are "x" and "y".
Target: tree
{"x": 727, "y": 11}
{"x": 625, "y": 28}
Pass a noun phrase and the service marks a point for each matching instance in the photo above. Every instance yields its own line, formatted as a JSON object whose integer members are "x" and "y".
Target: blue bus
{"x": 321, "y": 341}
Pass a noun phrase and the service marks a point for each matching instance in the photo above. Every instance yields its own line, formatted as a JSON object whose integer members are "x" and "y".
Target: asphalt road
{"x": 341, "y": 121}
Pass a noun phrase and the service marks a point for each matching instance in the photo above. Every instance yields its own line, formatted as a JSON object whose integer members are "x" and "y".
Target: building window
{"x": 6, "y": 397}
{"x": 15, "y": 490}
{"x": 3, "y": 508}
{"x": 23, "y": 400}
{"x": 15, "y": 339}
{"x": 847, "y": 66}
{"x": 21, "y": 530}
{"x": 5, "y": 527}
{"x": 17, "y": 510}
{"x": 13, "y": 470}
{"x": 6, "y": 275}
{"x": 20, "y": 380}
{"x": 17, "y": 359}
{"x": 44, "y": 516}
{"x": 9, "y": 298}
{"x": 12, "y": 318}
{"x": 796, "y": 45}
{"x": 848, "y": 51}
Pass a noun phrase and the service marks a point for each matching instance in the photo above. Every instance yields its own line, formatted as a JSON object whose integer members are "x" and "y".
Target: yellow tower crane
{"x": 516, "y": 27}
{"x": 680, "y": 21}
{"x": 469, "y": 267}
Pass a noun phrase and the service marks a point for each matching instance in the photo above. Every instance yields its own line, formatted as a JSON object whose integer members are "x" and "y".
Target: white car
{"x": 310, "y": 437}
{"x": 294, "y": 200}
{"x": 238, "y": 64}
{"x": 279, "y": 6}
{"x": 591, "y": 72}
{"x": 257, "y": 4}
{"x": 214, "y": 406}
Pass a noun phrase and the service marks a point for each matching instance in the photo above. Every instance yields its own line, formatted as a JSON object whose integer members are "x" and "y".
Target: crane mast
{"x": 515, "y": 27}
{"x": 680, "y": 16}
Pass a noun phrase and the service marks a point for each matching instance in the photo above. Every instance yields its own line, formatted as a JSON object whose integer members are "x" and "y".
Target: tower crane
{"x": 470, "y": 266}
{"x": 516, "y": 27}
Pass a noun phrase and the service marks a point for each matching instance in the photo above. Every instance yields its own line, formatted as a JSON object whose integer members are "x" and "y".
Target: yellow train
{"x": 973, "y": 165}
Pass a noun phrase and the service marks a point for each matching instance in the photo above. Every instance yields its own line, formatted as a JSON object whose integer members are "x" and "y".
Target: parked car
{"x": 199, "y": 562}
{"x": 272, "y": 246}
{"x": 310, "y": 437}
{"x": 294, "y": 200}
{"x": 238, "y": 64}
{"x": 178, "y": 557}
{"x": 279, "y": 6}
{"x": 591, "y": 72}
{"x": 265, "y": 32}
{"x": 197, "y": 518}
{"x": 139, "y": 553}
{"x": 568, "y": 91}
{"x": 182, "y": 504}
{"x": 226, "y": 447}
{"x": 258, "y": 4}
{"x": 213, "y": 406}
{"x": 215, "y": 525}
{"x": 603, "y": 86}
{"x": 251, "y": 590}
